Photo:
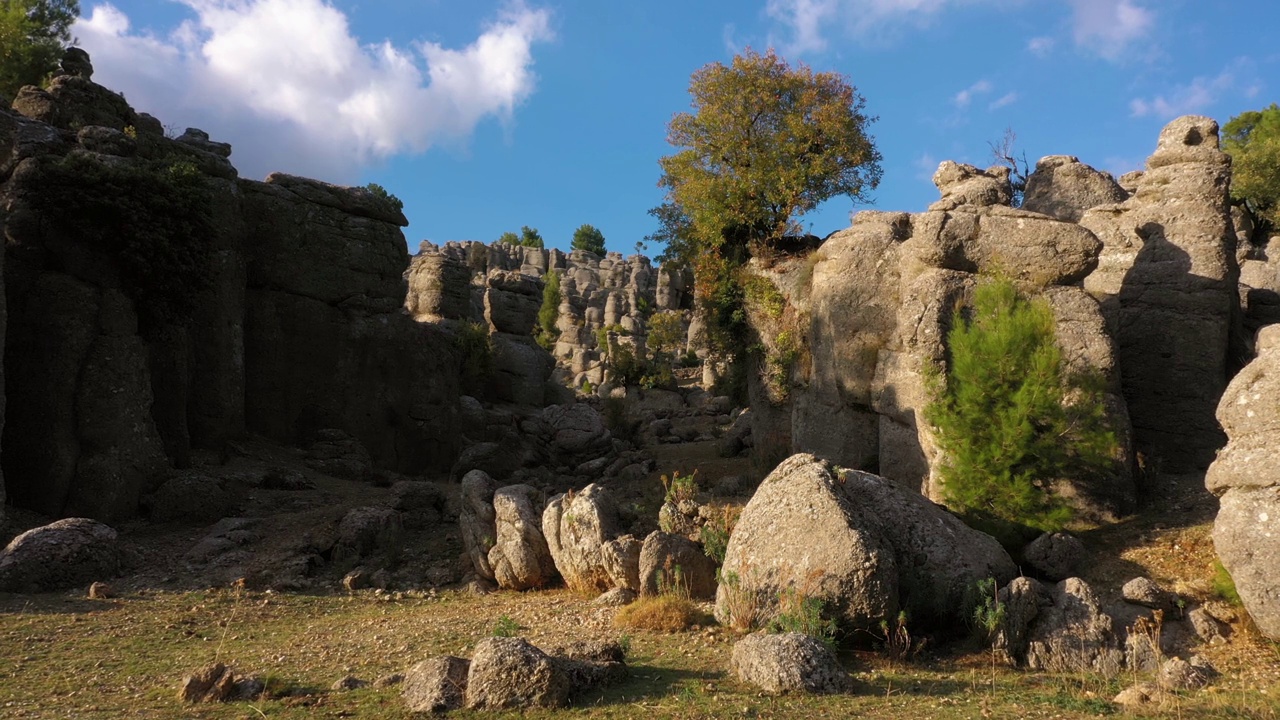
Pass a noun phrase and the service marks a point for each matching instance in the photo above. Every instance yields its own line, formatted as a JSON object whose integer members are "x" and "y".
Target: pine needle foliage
{"x": 1009, "y": 419}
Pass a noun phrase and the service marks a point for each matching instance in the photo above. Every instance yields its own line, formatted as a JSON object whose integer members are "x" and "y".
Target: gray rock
{"x": 510, "y": 673}
{"x": 1072, "y": 633}
{"x": 436, "y": 685}
{"x": 1055, "y": 556}
{"x": 788, "y": 663}
{"x": 616, "y": 597}
{"x": 963, "y": 184}
{"x": 363, "y": 530}
{"x": 1145, "y": 592}
{"x": 669, "y": 561}
{"x": 477, "y": 520}
{"x": 63, "y": 554}
{"x": 576, "y": 526}
{"x": 421, "y": 505}
{"x": 520, "y": 558}
{"x": 1063, "y": 187}
{"x": 621, "y": 559}
{"x": 574, "y": 429}
{"x": 191, "y": 497}
{"x": 1138, "y": 695}
{"x": 1178, "y": 674}
{"x": 1207, "y": 627}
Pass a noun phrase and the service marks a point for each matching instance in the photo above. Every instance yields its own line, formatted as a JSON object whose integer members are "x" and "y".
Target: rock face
{"x": 1168, "y": 279}
{"x": 962, "y": 184}
{"x": 876, "y": 308}
{"x": 669, "y": 560}
{"x": 477, "y": 520}
{"x": 501, "y": 286}
{"x": 862, "y": 544}
{"x": 520, "y": 558}
{"x": 64, "y": 554}
{"x": 295, "y": 320}
{"x": 788, "y": 663}
{"x": 1246, "y": 478}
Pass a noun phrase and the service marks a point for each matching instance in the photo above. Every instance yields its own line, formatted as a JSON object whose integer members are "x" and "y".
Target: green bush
{"x": 151, "y": 217}
{"x": 549, "y": 312}
{"x": 475, "y": 355}
{"x": 1003, "y": 421}
{"x": 381, "y": 193}
{"x": 805, "y": 614}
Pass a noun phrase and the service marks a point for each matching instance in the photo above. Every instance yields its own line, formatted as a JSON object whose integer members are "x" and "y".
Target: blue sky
{"x": 484, "y": 116}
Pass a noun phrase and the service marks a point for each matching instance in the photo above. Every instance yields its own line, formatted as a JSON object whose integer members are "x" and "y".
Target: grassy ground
{"x": 66, "y": 656}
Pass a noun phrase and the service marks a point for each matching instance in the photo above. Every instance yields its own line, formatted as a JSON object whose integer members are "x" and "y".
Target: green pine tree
{"x": 1010, "y": 421}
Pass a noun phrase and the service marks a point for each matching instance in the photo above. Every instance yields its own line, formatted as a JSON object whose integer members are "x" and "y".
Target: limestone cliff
{"x": 157, "y": 304}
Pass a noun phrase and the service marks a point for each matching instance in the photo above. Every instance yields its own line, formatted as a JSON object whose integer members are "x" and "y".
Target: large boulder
{"x": 519, "y": 557}
{"x": 574, "y": 430}
{"x": 1063, "y": 187}
{"x": 788, "y": 663}
{"x": 576, "y": 527}
{"x": 1062, "y": 628}
{"x": 510, "y": 673}
{"x": 862, "y": 544}
{"x": 64, "y": 554}
{"x": 1246, "y": 477}
{"x": 962, "y": 184}
{"x": 436, "y": 684}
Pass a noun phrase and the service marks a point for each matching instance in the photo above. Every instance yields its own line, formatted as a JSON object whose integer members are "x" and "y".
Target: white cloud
{"x": 292, "y": 89}
{"x": 1109, "y": 27}
{"x": 1106, "y": 27}
{"x": 964, "y": 97}
{"x": 1194, "y": 97}
{"x": 1008, "y": 98}
{"x": 1040, "y": 46}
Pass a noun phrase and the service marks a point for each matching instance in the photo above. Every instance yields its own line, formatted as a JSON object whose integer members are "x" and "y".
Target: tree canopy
{"x": 766, "y": 142}
{"x": 528, "y": 237}
{"x": 1253, "y": 141}
{"x": 33, "y": 34}
{"x": 588, "y": 238}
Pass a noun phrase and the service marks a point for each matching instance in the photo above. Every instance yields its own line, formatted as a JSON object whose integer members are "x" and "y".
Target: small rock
{"x": 1140, "y": 694}
{"x": 218, "y": 683}
{"x": 616, "y": 597}
{"x": 1207, "y": 627}
{"x": 1178, "y": 674}
{"x": 357, "y": 579}
{"x": 100, "y": 591}
{"x": 1145, "y": 592}
{"x": 350, "y": 682}
{"x": 389, "y": 680}
{"x": 790, "y": 662}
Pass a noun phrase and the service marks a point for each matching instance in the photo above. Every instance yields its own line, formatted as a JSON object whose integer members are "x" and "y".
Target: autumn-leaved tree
{"x": 1253, "y": 141}
{"x": 33, "y": 34}
{"x": 764, "y": 143}
{"x": 590, "y": 239}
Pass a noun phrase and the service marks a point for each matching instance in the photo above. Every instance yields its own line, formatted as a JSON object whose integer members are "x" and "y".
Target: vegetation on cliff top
{"x": 32, "y": 36}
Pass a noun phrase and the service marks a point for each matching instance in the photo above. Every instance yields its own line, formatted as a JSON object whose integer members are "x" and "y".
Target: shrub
{"x": 1003, "y": 419}
{"x": 151, "y": 217}
{"x": 660, "y": 613}
{"x": 680, "y": 487}
{"x": 475, "y": 355}
{"x": 381, "y": 193}
{"x": 741, "y": 600}
{"x": 714, "y": 534}
{"x": 506, "y": 627}
{"x": 549, "y": 312}
{"x": 803, "y": 613}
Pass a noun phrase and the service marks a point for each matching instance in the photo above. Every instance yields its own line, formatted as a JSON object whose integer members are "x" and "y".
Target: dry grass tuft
{"x": 660, "y": 613}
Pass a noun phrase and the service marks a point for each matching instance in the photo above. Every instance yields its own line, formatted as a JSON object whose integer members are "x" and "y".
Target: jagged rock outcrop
{"x": 273, "y": 307}
{"x": 501, "y": 285}
{"x": 1246, "y": 478}
{"x": 1168, "y": 279}
{"x": 962, "y": 184}
{"x": 862, "y": 544}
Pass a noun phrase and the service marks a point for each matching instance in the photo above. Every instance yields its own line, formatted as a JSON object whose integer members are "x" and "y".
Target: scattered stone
{"x": 100, "y": 591}
{"x": 1178, "y": 674}
{"x": 1139, "y": 695}
{"x": 436, "y": 685}
{"x": 218, "y": 683}
{"x": 390, "y": 680}
{"x": 788, "y": 663}
{"x": 1207, "y": 627}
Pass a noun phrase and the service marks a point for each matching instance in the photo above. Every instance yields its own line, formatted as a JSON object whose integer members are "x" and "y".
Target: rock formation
{"x": 875, "y": 302}
{"x": 273, "y": 307}
{"x": 1167, "y": 277}
{"x": 1246, "y": 478}
{"x": 501, "y": 285}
